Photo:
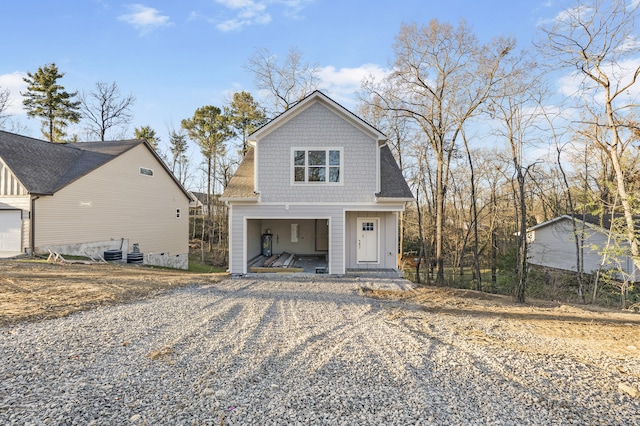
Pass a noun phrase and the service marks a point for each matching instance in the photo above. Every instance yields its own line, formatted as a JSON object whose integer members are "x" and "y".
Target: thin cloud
{"x": 246, "y": 13}
{"x": 342, "y": 83}
{"x": 15, "y": 84}
{"x": 144, "y": 18}
{"x": 575, "y": 84}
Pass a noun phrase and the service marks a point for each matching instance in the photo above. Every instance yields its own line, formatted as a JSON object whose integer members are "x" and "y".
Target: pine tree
{"x": 148, "y": 134}
{"x": 48, "y": 100}
{"x": 245, "y": 116}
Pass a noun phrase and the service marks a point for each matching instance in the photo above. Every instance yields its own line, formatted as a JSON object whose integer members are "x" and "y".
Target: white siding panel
{"x": 9, "y": 184}
{"x": 554, "y": 246}
{"x": 116, "y": 201}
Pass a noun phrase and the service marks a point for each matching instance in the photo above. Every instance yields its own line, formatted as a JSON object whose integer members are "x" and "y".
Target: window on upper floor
{"x": 317, "y": 166}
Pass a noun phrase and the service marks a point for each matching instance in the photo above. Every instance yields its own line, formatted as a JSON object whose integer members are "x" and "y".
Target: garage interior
{"x": 288, "y": 246}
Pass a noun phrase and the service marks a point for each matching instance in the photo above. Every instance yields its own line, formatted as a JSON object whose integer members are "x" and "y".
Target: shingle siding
{"x": 317, "y": 127}
{"x": 316, "y": 122}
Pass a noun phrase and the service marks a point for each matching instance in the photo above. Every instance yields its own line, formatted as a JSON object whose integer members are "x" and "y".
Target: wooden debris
{"x": 55, "y": 257}
{"x": 269, "y": 261}
{"x": 280, "y": 261}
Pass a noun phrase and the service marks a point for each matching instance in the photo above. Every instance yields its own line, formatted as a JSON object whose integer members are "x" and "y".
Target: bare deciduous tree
{"x": 104, "y": 108}
{"x": 442, "y": 76}
{"x": 5, "y": 104}
{"x": 596, "y": 40}
{"x": 516, "y": 110}
{"x": 284, "y": 82}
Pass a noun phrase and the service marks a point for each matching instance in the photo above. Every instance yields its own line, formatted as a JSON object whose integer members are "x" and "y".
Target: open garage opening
{"x": 288, "y": 245}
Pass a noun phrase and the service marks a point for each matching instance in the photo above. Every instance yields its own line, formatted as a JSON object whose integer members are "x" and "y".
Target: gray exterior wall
{"x": 387, "y": 244}
{"x": 247, "y": 223}
{"x": 281, "y": 202}
{"x": 317, "y": 127}
{"x": 554, "y": 246}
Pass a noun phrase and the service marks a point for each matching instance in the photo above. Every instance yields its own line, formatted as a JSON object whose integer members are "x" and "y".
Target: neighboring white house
{"x": 320, "y": 181}
{"x": 553, "y": 244}
{"x": 89, "y": 197}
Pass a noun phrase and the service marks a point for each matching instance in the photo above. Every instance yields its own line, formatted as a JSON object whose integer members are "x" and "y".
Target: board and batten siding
{"x": 317, "y": 127}
{"x": 9, "y": 184}
{"x": 116, "y": 201}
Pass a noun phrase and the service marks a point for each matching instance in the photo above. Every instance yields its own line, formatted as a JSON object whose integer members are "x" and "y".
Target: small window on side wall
{"x": 146, "y": 172}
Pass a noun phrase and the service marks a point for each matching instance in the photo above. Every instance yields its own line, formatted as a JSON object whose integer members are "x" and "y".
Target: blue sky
{"x": 176, "y": 56}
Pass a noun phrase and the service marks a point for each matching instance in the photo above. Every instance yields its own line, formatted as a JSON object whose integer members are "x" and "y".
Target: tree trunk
{"x": 419, "y": 236}
{"x": 440, "y": 194}
{"x": 522, "y": 238}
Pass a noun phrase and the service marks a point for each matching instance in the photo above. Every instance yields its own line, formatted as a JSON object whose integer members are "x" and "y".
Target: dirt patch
{"x": 38, "y": 290}
{"x": 495, "y": 320}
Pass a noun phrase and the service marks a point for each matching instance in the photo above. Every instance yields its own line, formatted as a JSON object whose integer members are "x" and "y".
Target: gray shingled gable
{"x": 45, "y": 167}
{"x": 392, "y": 183}
{"x": 316, "y": 96}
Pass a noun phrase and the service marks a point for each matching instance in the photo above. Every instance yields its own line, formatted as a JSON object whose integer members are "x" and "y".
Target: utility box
{"x": 267, "y": 243}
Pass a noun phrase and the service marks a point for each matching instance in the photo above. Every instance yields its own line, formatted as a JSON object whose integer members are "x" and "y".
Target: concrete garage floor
{"x": 302, "y": 264}
{"x": 309, "y": 264}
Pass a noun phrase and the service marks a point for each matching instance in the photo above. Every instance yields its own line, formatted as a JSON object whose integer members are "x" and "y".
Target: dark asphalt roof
{"x": 392, "y": 183}
{"x": 45, "y": 167}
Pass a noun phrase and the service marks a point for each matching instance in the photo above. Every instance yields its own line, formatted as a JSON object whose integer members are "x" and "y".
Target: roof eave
{"x": 240, "y": 199}
{"x": 394, "y": 199}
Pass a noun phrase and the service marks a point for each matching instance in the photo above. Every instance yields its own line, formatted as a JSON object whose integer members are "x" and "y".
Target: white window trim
{"x": 319, "y": 148}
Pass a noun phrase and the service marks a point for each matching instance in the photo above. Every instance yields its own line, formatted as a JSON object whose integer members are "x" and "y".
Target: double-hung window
{"x": 317, "y": 166}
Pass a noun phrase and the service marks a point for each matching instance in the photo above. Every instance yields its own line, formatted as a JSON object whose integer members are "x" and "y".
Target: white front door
{"x": 367, "y": 239}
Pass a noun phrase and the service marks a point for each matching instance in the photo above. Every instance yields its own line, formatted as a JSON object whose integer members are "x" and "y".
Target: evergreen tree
{"x": 245, "y": 116}
{"x": 48, "y": 100}
{"x": 178, "y": 150}
{"x": 148, "y": 134}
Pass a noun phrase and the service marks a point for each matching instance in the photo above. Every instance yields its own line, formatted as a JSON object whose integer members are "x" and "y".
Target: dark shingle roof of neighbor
{"x": 45, "y": 167}
{"x": 392, "y": 183}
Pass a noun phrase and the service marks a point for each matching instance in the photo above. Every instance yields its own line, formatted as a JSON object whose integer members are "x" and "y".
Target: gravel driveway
{"x": 286, "y": 351}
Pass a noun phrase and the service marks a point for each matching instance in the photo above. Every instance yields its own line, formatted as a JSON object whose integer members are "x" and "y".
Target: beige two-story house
{"x": 79, "y": 198}
{"x": 318, "y": 181}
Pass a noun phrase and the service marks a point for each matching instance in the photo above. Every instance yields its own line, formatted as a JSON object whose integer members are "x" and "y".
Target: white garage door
{"x": 10, "y": 221}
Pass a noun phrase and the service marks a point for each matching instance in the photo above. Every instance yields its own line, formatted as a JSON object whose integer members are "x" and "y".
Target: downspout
{"x": 32, "y": 224}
